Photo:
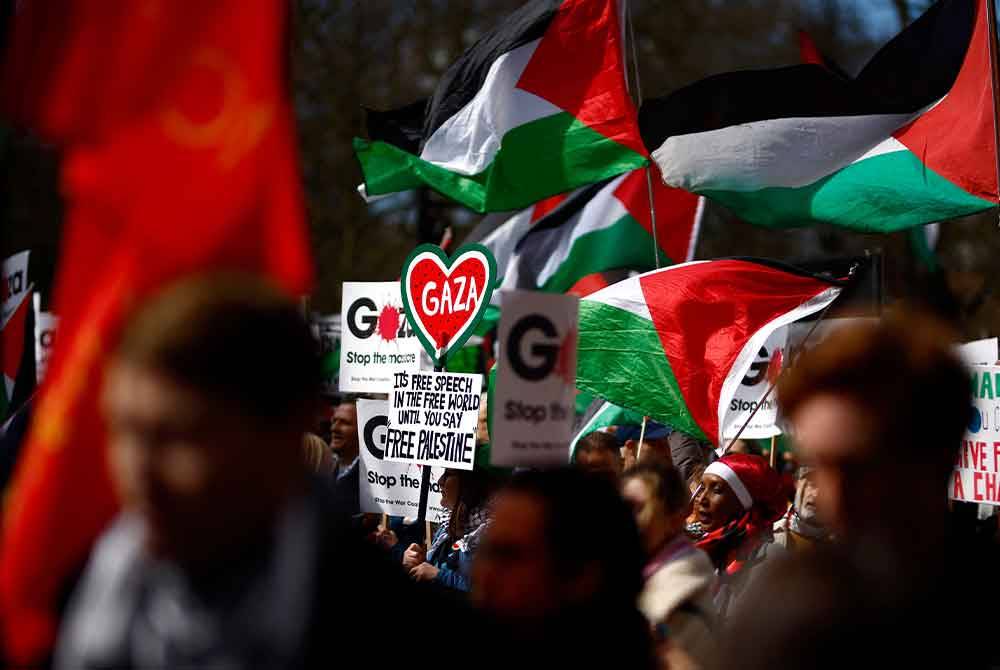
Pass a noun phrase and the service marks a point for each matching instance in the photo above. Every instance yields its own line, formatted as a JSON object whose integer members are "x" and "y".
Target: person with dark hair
{"x": 879, "y": 412}
{"x": 543, "y": 588}
{"x": 448, "y": 561}
{"x": 677, "y": 596}
{"x": 226, "y": 553}
{"x": 344, "y": 440}
{"x": 741, "y": 498}
{"x": 673, "y": 447}
{"x": 598, "y": 452}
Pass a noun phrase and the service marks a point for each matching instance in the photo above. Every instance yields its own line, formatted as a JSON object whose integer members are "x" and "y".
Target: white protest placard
{"x": 535, "y": 393}
{"x": 976, "y": 477}
{"x": 979, "y": 352}
{"x": 15, "y": 286}
{"x": 45, "y": 337}
{"x": 386, "y": 487}
{"x": 376, "y": 340}
{"x": 15, "y": 290}
{"x": 433, "y": 419}
{"x": 752, "y": 389}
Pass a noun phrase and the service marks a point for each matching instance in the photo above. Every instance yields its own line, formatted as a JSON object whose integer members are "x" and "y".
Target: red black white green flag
{"x": 605, "y": 226}
{"x": 538, "y": 106}
{"x": 908, "y": 141}
{"x": 674, "y": 344}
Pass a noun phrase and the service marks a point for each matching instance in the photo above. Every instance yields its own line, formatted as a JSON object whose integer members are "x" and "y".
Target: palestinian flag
{"x": 909, "y": 141}
{"x": 598, "y": 228}
{"x": 12, "y": 335}
{"x": 601, "y": 416}
{"x": 674, "y": 344}
{"x": 537, "y": 106}
{"x": 502, "y": 236}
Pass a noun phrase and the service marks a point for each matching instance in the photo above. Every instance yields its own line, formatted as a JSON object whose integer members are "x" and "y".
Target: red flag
{"x": 179, "y": 157}
{"x": 12, "y": 343}
{"x": 808, "y": 51}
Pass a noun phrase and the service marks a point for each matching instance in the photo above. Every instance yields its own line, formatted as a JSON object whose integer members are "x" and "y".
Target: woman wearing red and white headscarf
{"x": 741, "y": 497}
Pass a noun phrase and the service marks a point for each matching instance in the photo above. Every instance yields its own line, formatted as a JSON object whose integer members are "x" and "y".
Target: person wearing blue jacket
{"x": 448, "y": 561}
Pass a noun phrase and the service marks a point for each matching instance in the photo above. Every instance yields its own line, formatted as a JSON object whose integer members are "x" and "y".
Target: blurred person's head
{"x": 535, "y": 561}
{"x": 599, "y": 453}
{"x": 204, "y": 432}
{"x": 806, "y": 494}
{"x": 655, "y": 443}
{"x": 449, "y": 483}
{"x": 316, "y": 454}
{"x": 879, "y": 411}
{"x": 344, "y": 431}
{"x": 463, "y": 492}
{"x": 660, "y": 501}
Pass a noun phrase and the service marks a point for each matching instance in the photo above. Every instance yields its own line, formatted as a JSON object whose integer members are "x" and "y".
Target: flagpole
{"x": 991, "y": 13}
{"x": 770, "y": 388}
{"x": 649, "y": 169}
{"x": 642, "y": 437}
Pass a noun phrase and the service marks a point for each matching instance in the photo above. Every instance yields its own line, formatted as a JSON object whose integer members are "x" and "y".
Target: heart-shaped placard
{"x": 444, "y": 297}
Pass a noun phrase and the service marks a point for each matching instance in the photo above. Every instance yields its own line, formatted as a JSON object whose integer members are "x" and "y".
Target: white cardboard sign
{"x": 45, "y": 337}
{"x": 976, "y": 477}
{"x": 750, "y": 393}
{"x": 14, "y": 275}
{"x": 433, "y": 419}
{"x": 536, "y": 379}
{"x": 979, "y": 352}
{"x": 390, "y": 488}
{"x": 376, "y": 340}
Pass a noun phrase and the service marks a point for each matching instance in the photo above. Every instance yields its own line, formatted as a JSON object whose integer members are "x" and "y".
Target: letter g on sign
{"x": 375, "y": 443}
{"x": 545, "y": 353}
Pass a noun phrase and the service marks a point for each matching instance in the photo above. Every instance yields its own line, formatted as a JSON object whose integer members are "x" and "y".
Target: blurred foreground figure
{"x": 676, "y": 598}
{"x": 226, "y": 554}
{"x": 559, "y": 571}
{"x": 879, "y": 411}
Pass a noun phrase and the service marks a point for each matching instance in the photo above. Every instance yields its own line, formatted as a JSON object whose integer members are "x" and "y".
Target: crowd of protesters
{"x": 241, "y": 542}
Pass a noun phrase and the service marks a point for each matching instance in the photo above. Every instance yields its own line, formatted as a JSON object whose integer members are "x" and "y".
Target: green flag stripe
{"x": 535, "y": 160}
{"x": 623, "y": 244}
{"x": 881, "y": 194}
{"x": 608, "y": 415}
{"x": 620, "y": 358}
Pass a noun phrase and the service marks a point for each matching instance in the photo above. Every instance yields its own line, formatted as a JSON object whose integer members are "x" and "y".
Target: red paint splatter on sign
{"x": 388, "y": 323}
{"x": 566, "y": 363}
{"x": 774, "y": 367}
